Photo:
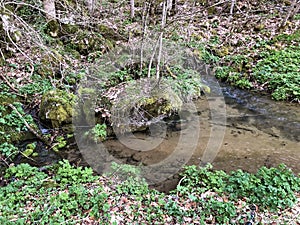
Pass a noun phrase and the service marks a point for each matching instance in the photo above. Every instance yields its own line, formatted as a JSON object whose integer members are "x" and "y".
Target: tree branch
{"x": 28, "y": 126}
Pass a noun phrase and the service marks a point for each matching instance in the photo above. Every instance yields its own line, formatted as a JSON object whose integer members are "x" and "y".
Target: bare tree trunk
{"x": 49, "y": 7}
{"x": 232, "y": 7}
{"x": 163, "y": 22}
{"x": 151, "y": 59}
{"x": 132, "y": 9}
{"x": 90, "y": 5}
{"x": 144, "y": 19}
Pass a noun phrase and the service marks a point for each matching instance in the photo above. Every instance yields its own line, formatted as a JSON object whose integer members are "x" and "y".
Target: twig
{"x": 28, "y": 157}
{"x": 9, "y": 84}
{"x": 179, "y": 183}
{"x": 294, "y": 8}
{"x": 4, "y": 160}
{"x": 2, "y": 55}
{"x": 17, "y": 47}
{"x": 170, "y": 72}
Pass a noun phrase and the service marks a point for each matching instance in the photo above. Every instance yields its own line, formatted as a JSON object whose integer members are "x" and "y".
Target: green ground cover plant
{"x": 279, "y": 71}
{"x": 12, "y": 125}
{"x": 271, "y": 66}
{"x": 250, "y": 54}
{"x": 271, "y": 188}
{"x": 66, "y": 194}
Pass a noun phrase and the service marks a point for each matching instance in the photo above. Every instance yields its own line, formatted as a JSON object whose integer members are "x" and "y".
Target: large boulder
{"x": 57, "y": 108}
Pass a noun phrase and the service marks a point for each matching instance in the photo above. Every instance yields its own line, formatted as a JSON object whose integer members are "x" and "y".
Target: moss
{"x": 21, "y": 136}
{"x": 223, "y": 51}
{"x": 74, "y": 53}
{"x": 212, "y": 10}
{"x": 161, "y": 103}
{"x": 50, "y": 64}
{"x": 69, "y": 29}
{"x": 109, "y": 33}
{"x": 86, "y": 42}
{"x": 57, "y": 107}
{"x": 259, "y": 27}
{"x": 52, "y": 28}
{"x": 29, "y": 149}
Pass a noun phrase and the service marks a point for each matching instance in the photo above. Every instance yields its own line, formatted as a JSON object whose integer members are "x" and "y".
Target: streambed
{"x": 258, "y": 132}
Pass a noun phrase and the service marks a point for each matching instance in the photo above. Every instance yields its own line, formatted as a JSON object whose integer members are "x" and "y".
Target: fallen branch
{"x": 10, "y": 85}
{"x": 28, "y": 126}
{"x": 170, "y": 72}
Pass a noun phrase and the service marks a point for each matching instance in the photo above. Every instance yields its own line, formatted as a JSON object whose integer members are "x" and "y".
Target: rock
{"x": 57, "y": 108}
{"x": 52, "y": 28}
{"x": 50, "y": 64}
{"x": 86, "y": 42}
{"x": 137, "y": 111}
{"x": 109, "y": 33}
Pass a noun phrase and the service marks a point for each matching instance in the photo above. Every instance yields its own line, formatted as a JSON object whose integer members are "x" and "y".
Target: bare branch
{"x": 294, "y": 9}
{"x": 28, "y": 126}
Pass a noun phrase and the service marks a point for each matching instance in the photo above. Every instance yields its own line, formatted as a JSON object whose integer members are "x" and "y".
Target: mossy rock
{"x": 67, "y": 29}
{"x": 109, "y": 33}
{"x": 160, "y": 103}
{"x": 50, "y": 65}
{"x": 57, "y": 108}
{"x": 137, "y": 111}
{"x": 86, "y": 42}
{"x": 52, "y": 28}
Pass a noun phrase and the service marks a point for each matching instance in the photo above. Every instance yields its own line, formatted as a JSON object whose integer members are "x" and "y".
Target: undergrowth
{"x": 271, "y": 66}
{"x": 65, "y": 194}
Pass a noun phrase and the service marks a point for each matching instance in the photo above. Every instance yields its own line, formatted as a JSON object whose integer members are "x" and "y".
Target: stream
{"x": 257, "y": 132}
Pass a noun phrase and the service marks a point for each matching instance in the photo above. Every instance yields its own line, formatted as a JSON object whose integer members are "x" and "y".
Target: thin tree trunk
{"x": 144, "y": 19}
{"x": 132, "y": 9}
{"x": 151, "y": 59}
{"x": 90, "y": 5}
{"x": 232, "y": 7}
{"x": 49, "y": 7}
{"x": 163, "y": 22}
